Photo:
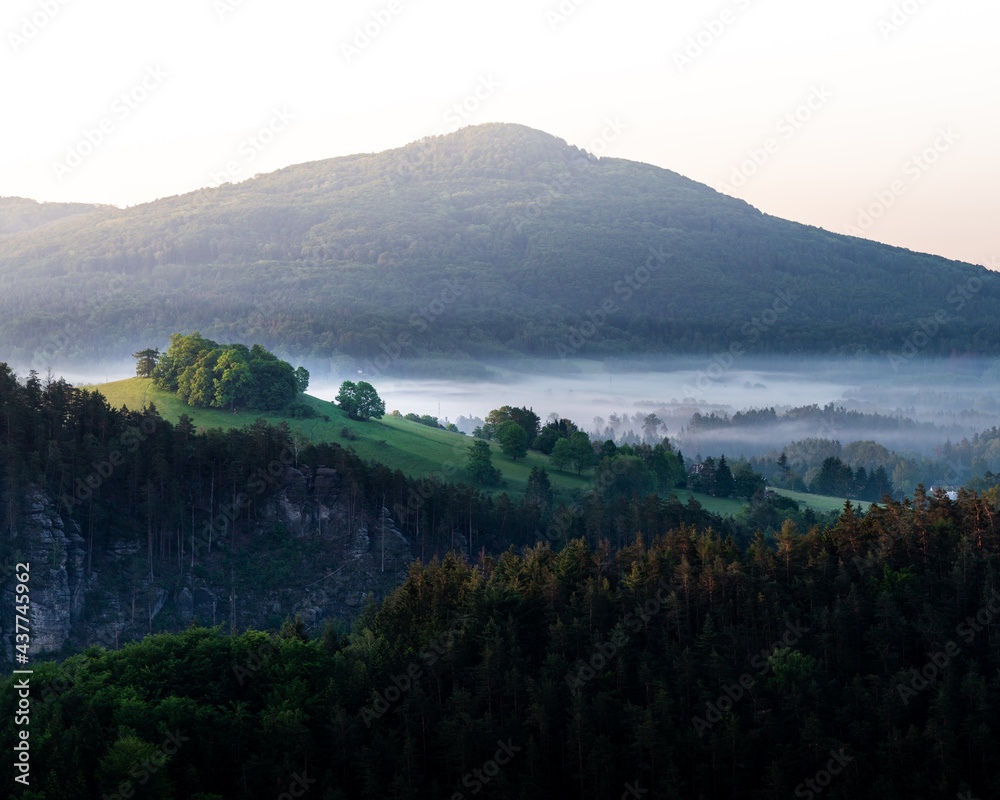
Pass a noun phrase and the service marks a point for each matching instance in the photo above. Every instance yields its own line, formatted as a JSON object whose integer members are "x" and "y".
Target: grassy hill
{"x": 417, "y": 450}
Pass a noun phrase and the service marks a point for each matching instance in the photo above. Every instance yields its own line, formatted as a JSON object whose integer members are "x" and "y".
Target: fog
{"x": 926, "y": 401}
{"x": 922, "y": 402}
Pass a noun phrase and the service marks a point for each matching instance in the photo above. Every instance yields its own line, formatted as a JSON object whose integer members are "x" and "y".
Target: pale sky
{"x": 877, "y": 118}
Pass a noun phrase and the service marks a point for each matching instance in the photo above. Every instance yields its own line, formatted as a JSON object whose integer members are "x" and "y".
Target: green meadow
{"x": 418, "y": 451}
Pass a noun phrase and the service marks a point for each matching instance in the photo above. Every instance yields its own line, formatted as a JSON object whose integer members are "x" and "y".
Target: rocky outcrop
{"x": 304, "y": 553}
{"x": 54, "y": 550}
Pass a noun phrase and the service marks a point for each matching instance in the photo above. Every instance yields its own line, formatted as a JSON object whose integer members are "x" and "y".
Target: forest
{"x": 856, "y": 661}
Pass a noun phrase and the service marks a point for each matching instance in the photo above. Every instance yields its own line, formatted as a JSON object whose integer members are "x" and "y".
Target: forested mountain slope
{"x": 493, "y": 240}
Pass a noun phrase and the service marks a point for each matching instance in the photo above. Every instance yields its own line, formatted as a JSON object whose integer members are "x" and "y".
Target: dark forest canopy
{"x": 858, "y": 660}
{"x": 491, "y": 241}
{"x": 209, "y": 375}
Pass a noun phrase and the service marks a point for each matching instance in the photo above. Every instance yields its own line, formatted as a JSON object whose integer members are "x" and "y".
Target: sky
{"x": 878, "y": 119}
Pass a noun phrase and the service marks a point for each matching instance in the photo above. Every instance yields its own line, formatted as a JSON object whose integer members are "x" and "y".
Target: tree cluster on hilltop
{"x": 206, "y": 374}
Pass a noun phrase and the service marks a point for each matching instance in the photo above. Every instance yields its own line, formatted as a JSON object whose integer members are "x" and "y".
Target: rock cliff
{"x": 307, "y": 552}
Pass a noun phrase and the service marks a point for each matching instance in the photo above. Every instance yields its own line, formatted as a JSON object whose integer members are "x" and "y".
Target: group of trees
{"x": 209, "y": 375}
{"x": 518, "y": 429}
{"x": 838, "y": 479}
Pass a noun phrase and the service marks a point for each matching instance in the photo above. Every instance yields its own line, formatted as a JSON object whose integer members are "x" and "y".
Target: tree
{"x": 581, "y": 451}
{"x": 879, "y": 484}
{"x": 480, "y": 464}
{"x": 650, "y": 425}
{"x": 347, "y": 398}
{"x": 723, "y": 479}
{"x": 369, "y": 403}
{"x": 360, "y": 400}
{"x": 748, "y": 482}
{"x": 525, "y": 417}
{"x": 146, "y": 361}
{"x": 562, "y": 455}
{"x": 513, "y": 440}
{"x": 539, "y": 488}
{"x": 554, "y": 430}
{"x": 234, "y": 382}
{"x": 301, "y": 379}
{"x": 196, "y": 384}
{"x": 835, "y": 478}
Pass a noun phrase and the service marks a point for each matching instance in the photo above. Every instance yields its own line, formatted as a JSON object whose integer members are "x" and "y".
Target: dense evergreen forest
{"x": 491, "y": 241}
{"x": 853, "y": 662}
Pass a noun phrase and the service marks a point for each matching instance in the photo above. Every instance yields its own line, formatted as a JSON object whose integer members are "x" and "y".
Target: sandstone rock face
{"x": 54, "y": 550}
{"x": 302, "y": 552}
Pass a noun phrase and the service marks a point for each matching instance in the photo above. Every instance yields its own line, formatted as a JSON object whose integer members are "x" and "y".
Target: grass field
{"x": 417, "y": 450}
{"x": 820, "y": 502}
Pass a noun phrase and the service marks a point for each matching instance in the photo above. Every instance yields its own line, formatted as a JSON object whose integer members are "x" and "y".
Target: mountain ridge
{"x": 337, "y": 259}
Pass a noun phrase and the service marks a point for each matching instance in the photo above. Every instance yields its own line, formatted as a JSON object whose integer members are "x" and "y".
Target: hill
{"x": 18, "y": 214}
{"x": 491, "y": 241}
{"x": 419, "y": 451}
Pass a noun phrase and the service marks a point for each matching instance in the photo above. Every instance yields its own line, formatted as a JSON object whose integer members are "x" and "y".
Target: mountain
{"x": 491, "y": 241}
{"x": 18, "y": 214}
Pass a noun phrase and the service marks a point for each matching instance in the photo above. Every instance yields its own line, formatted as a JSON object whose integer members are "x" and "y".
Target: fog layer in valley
{"x": 920, "y": 403}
